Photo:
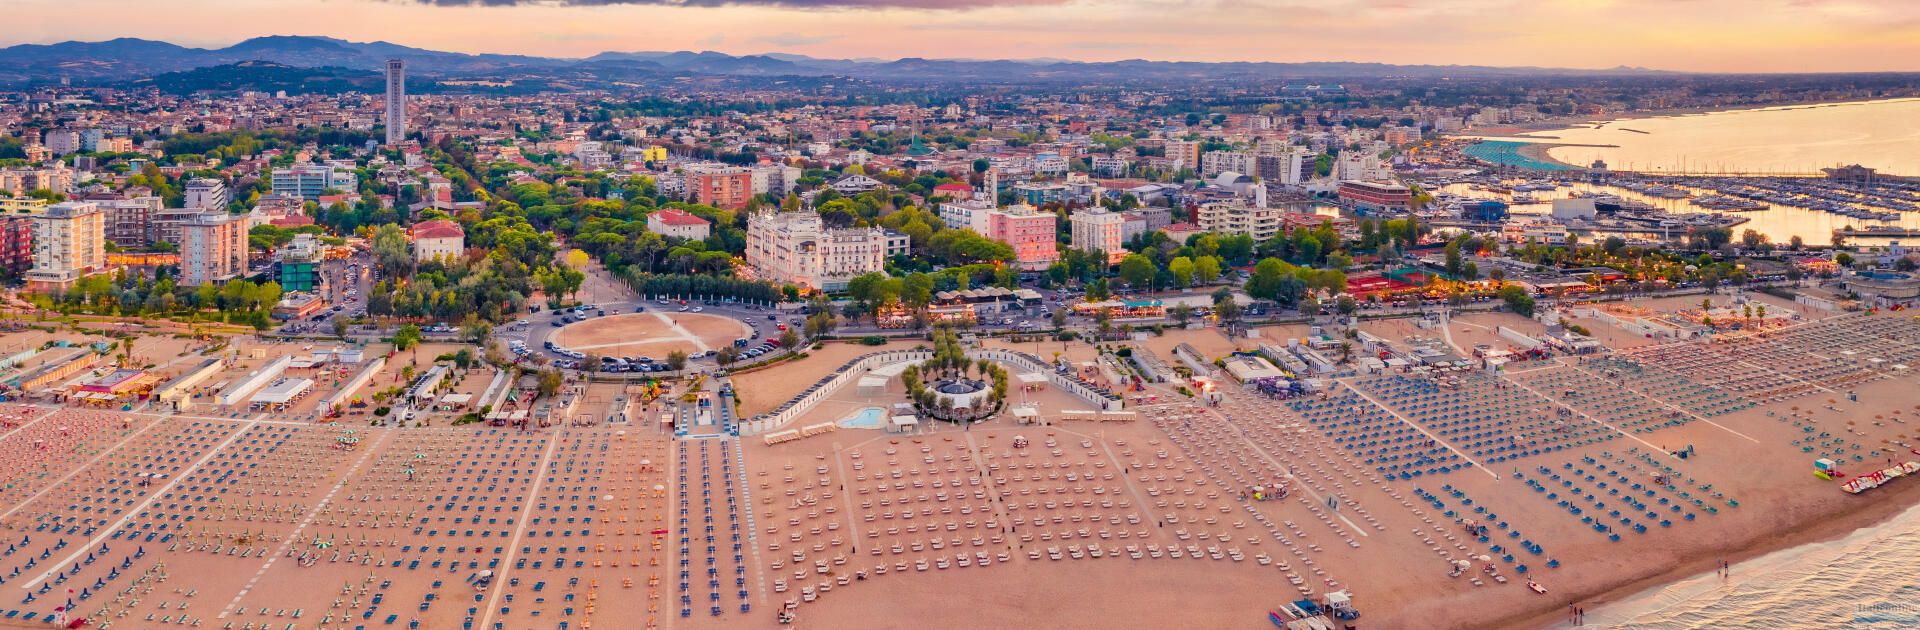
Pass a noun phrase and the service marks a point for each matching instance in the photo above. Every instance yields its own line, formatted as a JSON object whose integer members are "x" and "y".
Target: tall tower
{"x": 396, "y": 101}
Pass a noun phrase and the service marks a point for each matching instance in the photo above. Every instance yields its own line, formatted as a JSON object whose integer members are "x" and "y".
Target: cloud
{"x": 796, "y": 39}
{"x": 931, "y": 5}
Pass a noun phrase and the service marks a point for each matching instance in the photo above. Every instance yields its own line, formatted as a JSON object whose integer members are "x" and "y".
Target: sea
{"x": 1805, "y": 138}
{"x": 1779, "y": 223}
{"x": 1799, "y": 139}
{"x": 1864, "y": 581}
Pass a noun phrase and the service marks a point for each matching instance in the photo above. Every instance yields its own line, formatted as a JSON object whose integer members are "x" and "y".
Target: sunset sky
{"x": 1698, "y": 35}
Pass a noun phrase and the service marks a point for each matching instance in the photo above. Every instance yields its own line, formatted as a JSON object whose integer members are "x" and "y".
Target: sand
{"x": 279, "y": 502}
{"x": 651, "y": 334}
{"x": 764, "y": 390}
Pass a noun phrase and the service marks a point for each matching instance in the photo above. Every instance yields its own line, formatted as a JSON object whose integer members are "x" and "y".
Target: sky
{"x": 1688, "y": 35}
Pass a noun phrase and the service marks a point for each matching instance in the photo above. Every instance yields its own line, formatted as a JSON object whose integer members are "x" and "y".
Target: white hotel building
{"x": 797, "y": 248}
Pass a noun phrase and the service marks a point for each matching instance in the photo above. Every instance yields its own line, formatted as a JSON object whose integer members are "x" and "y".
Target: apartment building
{"x": 206, "y": 192}
{"x": 16, "y": 233}
{"x": 1237, "y": 216}
{"x": 167, "y": 222}
{"x": 1367, "y": 197}
{"x": 1098, "y": 229}
{"x": 21, "y": 181}
{"x": 130, "y": 222}
{"x": 1109, "y": 166}
{"x": 61, "y": 141}
{"x": 777, "y": 180}
{"x": 959, "y": 214}
{"x": 68, "y": 244}
{"x": 721, "y": 187}
{"x": 310, "y": 181}
{"x": 1288, "y": 168}
{"x": 1216, "y": 162}
{"x": 1029, "y": 231}
{"x": 213, "y": 248}
{"x": 1186, "y": 153}
{"x": 797, "y": 248}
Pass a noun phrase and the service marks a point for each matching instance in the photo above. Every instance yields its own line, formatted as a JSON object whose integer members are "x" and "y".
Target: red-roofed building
{"x": 955, "y": 190}
{"x": 436, "y": 239}
{"x": 677, "y": 223}
{"x": 1179, "y": 232}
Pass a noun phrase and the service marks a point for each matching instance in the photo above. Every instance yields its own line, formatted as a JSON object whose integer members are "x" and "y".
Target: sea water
{"x": 1791, "y": 138}
{"x": 1865, "y": 581}
{"x": 868, "y": 418}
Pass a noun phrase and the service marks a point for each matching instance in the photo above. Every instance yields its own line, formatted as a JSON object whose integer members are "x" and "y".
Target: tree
{"x": 1264, "y": 282}
{"x": 789, "y": 339}
{"x": 1843, "y": 259}
{"x": 1097, "y": 291}
{"x": 550, "y": 382}
{"x": 1137, "y": 270}
{"x": 390, "y": 250}
{"x": 340, "y": 327}
{"x": 1057, "y": 272}
{"x": 1059, "y": 318}
{"x": 407, "y": 337}
{"x": 1180, "y": 313}
{"x": 1182, "y": 268}
{"x": 1229, "y": 311}
{"x": 1347, "y": 305}
{"x": 1517, "y": 300}
{"x": 1498, "y": 275}
{"x": 677, "y": 360}
{"x": 1796, "y": 243}
{"x": 1207, "y": 269}
{"x": 726, "y": 355}
{"x": 476, "y": 332}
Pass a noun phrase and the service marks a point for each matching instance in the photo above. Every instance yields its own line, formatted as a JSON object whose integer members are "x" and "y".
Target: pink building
{"x": 1030, "y": 232}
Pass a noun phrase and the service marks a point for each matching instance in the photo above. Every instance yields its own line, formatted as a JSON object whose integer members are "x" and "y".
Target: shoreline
{"x": 1543, "y": 152}
{"x": 1554, "y": 124}
{"x": 1817, "y": 529}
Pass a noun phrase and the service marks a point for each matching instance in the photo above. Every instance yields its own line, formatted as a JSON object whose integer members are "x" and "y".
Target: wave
{"x": 1862, "y": 581}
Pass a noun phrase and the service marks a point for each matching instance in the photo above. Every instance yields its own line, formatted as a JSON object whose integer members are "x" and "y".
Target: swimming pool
{"x": 868, "y": 418}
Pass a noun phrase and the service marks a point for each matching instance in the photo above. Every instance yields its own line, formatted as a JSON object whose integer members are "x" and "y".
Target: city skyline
{"x": 1701, "y": 36}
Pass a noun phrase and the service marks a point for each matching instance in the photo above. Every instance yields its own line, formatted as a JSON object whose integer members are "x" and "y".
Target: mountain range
{"x": 131, "y": 59}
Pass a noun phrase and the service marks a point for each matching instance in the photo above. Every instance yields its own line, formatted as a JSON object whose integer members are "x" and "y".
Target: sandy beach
{"x": 1433, "y": 496}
